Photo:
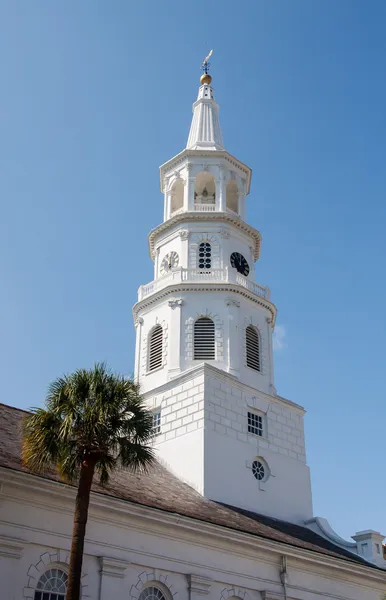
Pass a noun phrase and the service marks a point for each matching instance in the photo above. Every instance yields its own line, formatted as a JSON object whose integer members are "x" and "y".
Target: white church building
{"x": 226, "y": 513}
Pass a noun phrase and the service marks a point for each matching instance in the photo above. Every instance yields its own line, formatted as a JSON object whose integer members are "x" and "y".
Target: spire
{"x": 205, "y": 131}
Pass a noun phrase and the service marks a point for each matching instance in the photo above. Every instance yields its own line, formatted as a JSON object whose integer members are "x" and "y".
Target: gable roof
{"x": 162, "y": 490}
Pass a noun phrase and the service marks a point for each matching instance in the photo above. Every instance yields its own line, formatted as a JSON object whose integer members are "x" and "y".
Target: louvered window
{"x": 204, "y": 339}
{"x": 204, "y": 255}
{"x": 155, "y": 348}
{"x": 253, "y": 347}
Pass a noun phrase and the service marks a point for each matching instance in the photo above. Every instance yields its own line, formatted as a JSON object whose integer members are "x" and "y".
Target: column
{"x": 272, "y": 389}
{"x": 190, "y": 192}
{"x": 138, "y": 348}
{"x": 242, "y": 211}
{"x": 174, "y": 338}
{"x": 233, "y": 336}
{"x": 184, "y": 262}
{"x": 222, "y": 192}
{"x": 167, "y": 206}
{"x": 112, "y": 572}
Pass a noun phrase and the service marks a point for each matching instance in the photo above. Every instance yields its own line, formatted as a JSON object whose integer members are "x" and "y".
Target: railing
{"x": 180, "y": 275}
{"x": 205, "y": 207}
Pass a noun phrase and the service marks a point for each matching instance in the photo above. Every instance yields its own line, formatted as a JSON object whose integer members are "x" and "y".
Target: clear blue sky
{"x": 95, "y": 95}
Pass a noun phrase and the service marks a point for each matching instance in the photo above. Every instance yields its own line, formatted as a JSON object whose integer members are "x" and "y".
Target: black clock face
{"x": 240, "y": 263}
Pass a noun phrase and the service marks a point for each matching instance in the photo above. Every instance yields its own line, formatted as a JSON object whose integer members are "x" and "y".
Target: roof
{"x": 160, "y": 489}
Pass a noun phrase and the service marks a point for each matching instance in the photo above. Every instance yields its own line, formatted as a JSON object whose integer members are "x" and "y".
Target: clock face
{"x": 240, "y": 263}
{"x": 170, "y": 261}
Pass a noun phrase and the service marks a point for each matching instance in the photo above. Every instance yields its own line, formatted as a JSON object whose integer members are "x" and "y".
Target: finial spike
{"x": 205, "y": 64}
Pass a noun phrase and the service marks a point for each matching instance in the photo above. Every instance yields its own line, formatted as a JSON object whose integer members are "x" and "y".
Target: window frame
{"x": 38, "y": 592}
{"x": 249, "y": 349}
{"x": 250, "y": 426}
{"x": 156, "y": 427}
{"x": 203, "y": 247}
{"x": 149, "y": 350}
{"x": 196, "y": 333}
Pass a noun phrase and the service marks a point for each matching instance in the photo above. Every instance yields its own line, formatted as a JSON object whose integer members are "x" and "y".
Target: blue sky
{"x": 96, "y": 95}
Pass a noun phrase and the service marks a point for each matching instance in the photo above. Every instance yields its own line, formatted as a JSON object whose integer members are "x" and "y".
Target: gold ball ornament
{"x": 205, "y": 79}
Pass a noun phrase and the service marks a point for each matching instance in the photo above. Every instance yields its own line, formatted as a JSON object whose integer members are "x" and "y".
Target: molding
{"x": 177, "y": 161}
{"x": 199, "y": 585}
{"x": 232, "y": 302}
{"x": 179, "y": 288}
{"x": 211, "y": 370}
{"x": 11, "y": 547}
{"x": 177, "y": 302}
{"x": 112, "y": 567}
{"x": 126, "y": 514}
{"x": 234, "y": 593}
{"x": 218, "y": 217}
{"x": 152, "y": 577}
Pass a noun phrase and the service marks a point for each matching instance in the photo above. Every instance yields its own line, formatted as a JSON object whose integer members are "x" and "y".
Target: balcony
{"x": 181, "y": 275}
{"x": 204, "y": 208}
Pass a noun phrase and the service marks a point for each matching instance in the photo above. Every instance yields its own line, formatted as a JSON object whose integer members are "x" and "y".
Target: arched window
{"x": 204, "y": 339}
{"x": 252, "y": 341}
{"x": 155, "y": 348}
{"x": 177, "y": 196}
{"x": 204, "y": 255}
{"x": 151, "y": 592}
{"x": 52, "y": 585}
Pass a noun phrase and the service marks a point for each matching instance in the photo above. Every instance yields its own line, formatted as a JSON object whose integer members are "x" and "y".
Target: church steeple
{"x": 204, "y": 336}
{"x": 205, "y": 131}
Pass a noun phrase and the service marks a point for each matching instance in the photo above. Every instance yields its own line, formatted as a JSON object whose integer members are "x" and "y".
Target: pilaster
{"x": 112, "y": 572}
{"x": 233, "y": 336}
{"x": 198, "y": 586}
{"x": 175, "y": 339}
{"x": 138, "y": 347}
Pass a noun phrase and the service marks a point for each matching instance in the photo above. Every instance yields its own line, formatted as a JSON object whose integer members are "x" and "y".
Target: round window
{"x": 258, "y": 470}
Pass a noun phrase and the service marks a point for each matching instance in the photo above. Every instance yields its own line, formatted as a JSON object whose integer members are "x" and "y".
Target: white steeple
{"x": 204, "y": 336}
{"x": 205, "y": 131}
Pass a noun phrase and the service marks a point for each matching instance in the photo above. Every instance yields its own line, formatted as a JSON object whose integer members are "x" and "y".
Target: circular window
{"x": 151, "y": 593}
{"x": 258, "y": 470}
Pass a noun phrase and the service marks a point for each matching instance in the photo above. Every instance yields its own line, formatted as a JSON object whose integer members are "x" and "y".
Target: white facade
{"x": 129, "y": 547}
{"x": 204, "y": 362}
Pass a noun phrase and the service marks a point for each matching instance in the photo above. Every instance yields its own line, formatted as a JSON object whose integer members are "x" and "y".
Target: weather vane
{"x": 205, "y": 65}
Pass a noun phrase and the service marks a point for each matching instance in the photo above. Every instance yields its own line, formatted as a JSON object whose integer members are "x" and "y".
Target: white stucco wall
{"x": 128, "y": 546}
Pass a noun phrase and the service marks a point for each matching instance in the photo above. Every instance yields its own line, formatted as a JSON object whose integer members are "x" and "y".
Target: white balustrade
{"x": 202, "y": 276}
{"x": 205, "y": 207}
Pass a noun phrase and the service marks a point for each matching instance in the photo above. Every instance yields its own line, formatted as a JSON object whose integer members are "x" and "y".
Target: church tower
{"x": 204, "y": 329}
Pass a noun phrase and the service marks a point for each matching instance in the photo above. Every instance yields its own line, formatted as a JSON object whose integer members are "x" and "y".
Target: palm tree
{"x": 94, "y": 421}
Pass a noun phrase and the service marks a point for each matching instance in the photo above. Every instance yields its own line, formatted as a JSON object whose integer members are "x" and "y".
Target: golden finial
{"x": 205, "y": 77}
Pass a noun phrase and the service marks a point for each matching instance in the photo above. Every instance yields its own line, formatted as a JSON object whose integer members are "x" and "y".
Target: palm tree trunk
{"x": 79, "y": 528}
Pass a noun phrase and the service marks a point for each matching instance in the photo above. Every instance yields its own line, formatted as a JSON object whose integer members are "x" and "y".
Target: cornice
{"x": 11, "y": 547}
{"x": 219, "y": 217}
{"x": 188, "y": 528}
{"x": 178, "y": 288}
{"x": 211, "y": 370}
{"x": 176, "y": 161}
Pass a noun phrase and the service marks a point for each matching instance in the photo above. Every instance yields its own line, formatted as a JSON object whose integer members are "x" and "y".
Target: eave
{"x": 178, "y": 288}
{"x": 176, "y": 161}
